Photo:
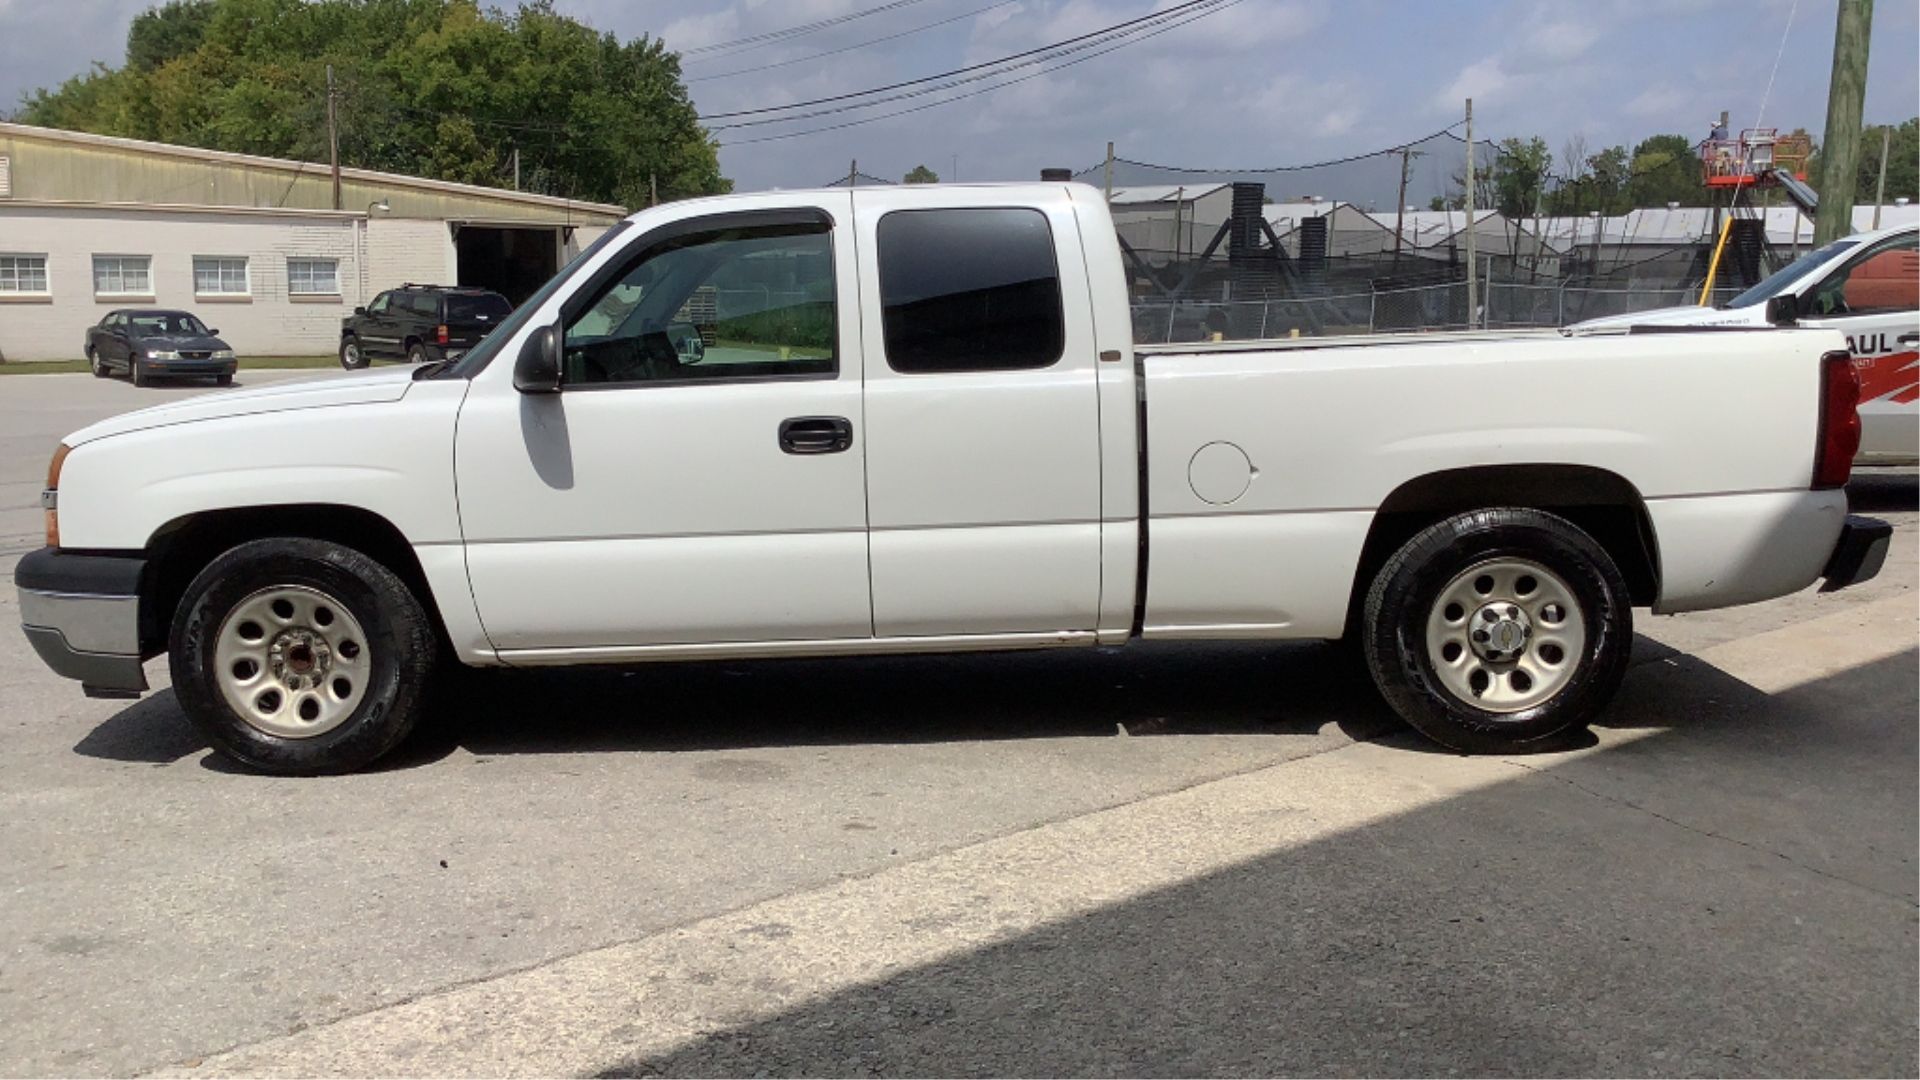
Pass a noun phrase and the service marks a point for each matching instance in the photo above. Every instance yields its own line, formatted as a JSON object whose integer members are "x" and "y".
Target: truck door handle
{"x": 1907, "y": 339}
{"x": 815, "y": 434}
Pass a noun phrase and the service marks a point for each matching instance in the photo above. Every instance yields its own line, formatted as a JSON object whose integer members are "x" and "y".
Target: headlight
{"x": 223, "y": 354}
{"x": 162, "y": 354}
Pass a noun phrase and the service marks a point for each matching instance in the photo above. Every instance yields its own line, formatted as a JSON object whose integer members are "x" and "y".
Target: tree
{"x": 1664, "y": 169}
{"x": 167, "y": 32}
{"x": 1903, "y": 162}
{"x": 436, "y": 88}
{"x": 1519, "y": 174}
{"x": 921, "y": 175}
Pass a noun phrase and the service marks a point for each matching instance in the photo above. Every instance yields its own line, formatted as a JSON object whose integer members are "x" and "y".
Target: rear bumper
{"x": 81, "y": 613}
{"x": 1858, "y": 554}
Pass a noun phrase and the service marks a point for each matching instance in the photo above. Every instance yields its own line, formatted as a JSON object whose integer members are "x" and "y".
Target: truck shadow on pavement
{"x": 1731, "y": 895}
{"x": 1206, "y": 688}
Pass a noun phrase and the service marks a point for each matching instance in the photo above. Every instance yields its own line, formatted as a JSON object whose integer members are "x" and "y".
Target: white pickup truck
{"x": 912, "y": 420}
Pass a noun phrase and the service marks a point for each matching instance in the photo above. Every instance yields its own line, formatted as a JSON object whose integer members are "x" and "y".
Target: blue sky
{"x": 1264, "y": 82}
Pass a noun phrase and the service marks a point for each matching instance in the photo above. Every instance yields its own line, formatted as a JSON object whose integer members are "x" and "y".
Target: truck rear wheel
{"x": 1498, "y": 628}
{"x": 301, "y": 657}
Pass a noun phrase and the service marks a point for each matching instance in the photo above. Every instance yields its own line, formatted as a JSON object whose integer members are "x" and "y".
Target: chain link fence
{"x": 1412, "y": 309}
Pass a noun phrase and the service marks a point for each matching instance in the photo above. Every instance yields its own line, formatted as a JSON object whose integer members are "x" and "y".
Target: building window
{"x": 313, "y": 277}
{"x": 122, "y": 275}
{"x": 23, "y": 273}
{"x": 219, "y": 275}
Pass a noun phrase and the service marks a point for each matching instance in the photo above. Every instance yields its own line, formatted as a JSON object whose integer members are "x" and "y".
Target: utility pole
{"x": 1846, "y": 94}
{"x": 1109, "y": 172}
{"x": 1400, "y": 205}
{"x": 333, "y": 140}
{"x": 653, "y": 189}
{"x": 1473, "y": 279}
{"x": 853, "y": 173}
{"x": 1880, "y": 185}
{"x": 516, "y": 168}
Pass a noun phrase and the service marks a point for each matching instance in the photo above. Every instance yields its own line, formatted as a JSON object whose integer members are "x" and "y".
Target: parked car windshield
{"x": 486, "y": 308}
{"x": 166, "y": 322}
{"x": 1789, "y": 274}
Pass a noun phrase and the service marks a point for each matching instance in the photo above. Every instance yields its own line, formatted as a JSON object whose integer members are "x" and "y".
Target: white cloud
{"x": 1482, "y": 80}
{"x": 1660, "y": 99}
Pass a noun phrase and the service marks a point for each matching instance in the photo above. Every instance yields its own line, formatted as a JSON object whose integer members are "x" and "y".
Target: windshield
{"x": 1789, "y": 275}
{"x": 477, "y": 309}
{"x": 162, "y": 323}
{"x": 476, "y": 361}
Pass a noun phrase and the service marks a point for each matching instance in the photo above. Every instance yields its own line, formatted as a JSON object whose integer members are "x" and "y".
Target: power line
{"x": 1218, "y": 6}
{"x": 1158, "y": 15}
{"x": 850, "y": 48}
{"x": 770, "y": 37}
{"x": 950, "y": 84}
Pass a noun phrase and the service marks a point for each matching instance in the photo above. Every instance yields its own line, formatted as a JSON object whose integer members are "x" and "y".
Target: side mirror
{"x": 360, "y": 311}
{"x": 1783, "y": 310}
{"x": 537, "y": 371}
{"x": 213, "y": 331}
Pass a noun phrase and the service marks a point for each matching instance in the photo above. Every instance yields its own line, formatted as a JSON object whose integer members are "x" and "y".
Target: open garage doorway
{"x": 512, "y": 261}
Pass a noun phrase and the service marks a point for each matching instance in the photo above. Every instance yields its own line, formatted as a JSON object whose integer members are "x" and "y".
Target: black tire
{"x": 400, "y": 647}
{"x": 1403, "y": 595}
{"x": 416, "y": 353}
{"x": 93, "y": 362}
{"x": 223, "y": 380}
{"x": 353, "y": 355}
{"x": 136, "y": 374}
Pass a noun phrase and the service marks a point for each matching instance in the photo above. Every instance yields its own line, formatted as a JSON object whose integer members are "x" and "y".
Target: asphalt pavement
{"x": 1207, "y": 858}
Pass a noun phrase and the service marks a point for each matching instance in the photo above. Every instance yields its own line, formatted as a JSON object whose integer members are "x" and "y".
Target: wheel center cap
{"x": 299, "y": 659}
{"x": 1500, "y": 631}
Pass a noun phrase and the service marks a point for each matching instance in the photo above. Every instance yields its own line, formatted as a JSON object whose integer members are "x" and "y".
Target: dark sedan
{"x": 157, "y": 344}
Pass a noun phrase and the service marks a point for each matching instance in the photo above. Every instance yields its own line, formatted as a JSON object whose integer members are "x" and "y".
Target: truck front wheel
{"x": 300, "y": 657}
{"x": 1498, "y": 628}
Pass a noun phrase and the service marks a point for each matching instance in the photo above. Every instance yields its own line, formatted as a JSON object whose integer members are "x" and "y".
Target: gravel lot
{"x": 1219, "y": 859}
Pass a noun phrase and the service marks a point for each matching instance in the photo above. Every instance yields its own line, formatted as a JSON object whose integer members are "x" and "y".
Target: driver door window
{"x": 750, "y": 303}
{"x": 1881, "y": 280}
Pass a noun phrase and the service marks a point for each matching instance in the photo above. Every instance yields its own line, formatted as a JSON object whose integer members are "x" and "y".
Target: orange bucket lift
{"x": 1758, "y": 156}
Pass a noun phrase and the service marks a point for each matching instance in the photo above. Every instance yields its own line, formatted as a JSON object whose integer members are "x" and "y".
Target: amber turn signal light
{"x": 50, "y": 498}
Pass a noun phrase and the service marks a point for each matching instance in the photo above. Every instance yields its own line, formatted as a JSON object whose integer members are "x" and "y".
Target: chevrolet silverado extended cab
{"x": 916, "y": 423}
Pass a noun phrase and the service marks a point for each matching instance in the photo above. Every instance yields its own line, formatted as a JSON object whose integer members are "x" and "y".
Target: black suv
{"x": 420, "y": 323}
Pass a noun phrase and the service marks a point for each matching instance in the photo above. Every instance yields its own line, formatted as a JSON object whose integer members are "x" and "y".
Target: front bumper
{"x": 197, "y": 368}
{"x": 1858, "y": 554}
{"x": 81, "y": 613}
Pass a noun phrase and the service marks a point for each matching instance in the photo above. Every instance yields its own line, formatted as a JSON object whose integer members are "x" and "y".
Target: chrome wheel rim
{"x": 353, "y": 355}
{"x": 292, "y": 661}
{"x": 1505, "y": 635}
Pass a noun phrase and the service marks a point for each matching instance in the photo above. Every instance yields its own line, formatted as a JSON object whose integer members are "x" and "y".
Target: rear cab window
{"x": 482, "y": 308}
{"x": 969, "y": 289}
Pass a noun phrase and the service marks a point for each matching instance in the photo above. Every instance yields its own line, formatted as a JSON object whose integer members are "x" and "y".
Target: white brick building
{"x": 252, "y": 245}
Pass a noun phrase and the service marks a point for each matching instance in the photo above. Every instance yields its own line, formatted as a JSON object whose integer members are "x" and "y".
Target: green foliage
{"x": 1519, "y": 176}
{"x": 434, "y": 88}
{"x": 1903, "y": 163}
{"x": 167, "y": 33}
{"x": 804, "y": 326}
{"x": 921, "y": 175}
{"x": 1664, "y": 169}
